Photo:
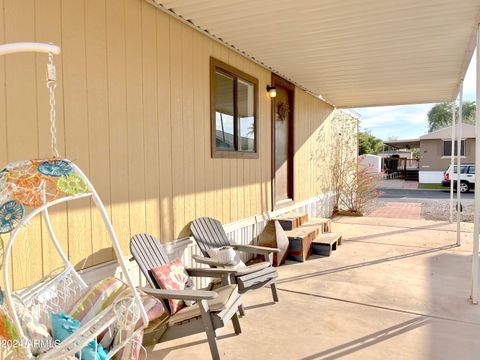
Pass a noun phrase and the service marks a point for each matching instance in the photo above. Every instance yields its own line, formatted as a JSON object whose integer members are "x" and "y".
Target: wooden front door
{"x": 282, "y": 126}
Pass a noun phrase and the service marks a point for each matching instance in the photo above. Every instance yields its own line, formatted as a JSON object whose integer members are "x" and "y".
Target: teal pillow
{"x": 64, "y": 325}
{"x": 88, "y": 353}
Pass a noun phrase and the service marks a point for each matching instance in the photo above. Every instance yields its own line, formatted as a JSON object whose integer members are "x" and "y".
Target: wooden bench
{"x": 324, "y": 244}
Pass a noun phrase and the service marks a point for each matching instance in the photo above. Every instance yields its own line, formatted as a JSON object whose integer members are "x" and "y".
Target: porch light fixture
{"x": 272, "y": 91}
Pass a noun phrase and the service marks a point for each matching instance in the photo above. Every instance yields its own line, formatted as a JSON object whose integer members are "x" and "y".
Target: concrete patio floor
{"x": 395, "y": 289}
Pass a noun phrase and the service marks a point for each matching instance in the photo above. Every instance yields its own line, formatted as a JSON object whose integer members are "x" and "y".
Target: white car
{"x": 467, "y": 177}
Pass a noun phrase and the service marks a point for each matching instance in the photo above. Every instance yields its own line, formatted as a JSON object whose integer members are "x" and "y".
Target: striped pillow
{"x": 105, "y": 293}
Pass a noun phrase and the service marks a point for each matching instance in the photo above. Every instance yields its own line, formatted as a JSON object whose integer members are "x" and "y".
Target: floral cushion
{"x": 172, "y": 276}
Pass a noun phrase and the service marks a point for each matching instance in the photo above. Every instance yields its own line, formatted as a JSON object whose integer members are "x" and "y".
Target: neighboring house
{"x": 436, "y": 150}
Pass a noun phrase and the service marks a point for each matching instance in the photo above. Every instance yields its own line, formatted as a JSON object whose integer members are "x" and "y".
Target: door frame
{"x": 278, "y": 81}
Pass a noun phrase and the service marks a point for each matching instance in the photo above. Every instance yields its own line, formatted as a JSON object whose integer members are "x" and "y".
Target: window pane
{"x": 463, "y": 169}
{"x": 471, "y": 170}
{"x": 447, "y": 148}
{"x": 224, "y": 111}
{"x": 246, "y": 116}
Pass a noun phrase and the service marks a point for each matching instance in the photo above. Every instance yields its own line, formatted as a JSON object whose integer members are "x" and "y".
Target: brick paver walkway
{"x": 399, "y": 210}
{"x": 397, "y": 184}
{"x": 410, "y": 185}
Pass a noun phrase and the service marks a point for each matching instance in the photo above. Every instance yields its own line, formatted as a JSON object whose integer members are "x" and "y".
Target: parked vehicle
{"x": 467, "y": 177}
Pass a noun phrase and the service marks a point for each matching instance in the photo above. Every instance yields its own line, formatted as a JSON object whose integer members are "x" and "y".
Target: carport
{"x": 353, "y": 54}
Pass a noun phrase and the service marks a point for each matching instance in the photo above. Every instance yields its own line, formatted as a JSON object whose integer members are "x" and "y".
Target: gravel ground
{"x": 435, "y": 209}
{"x": 440, "y": 210}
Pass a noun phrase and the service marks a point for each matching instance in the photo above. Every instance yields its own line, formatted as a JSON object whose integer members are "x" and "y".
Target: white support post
{"x": 474, "y": 292}
{"x": 452, "y": 158}
{"x": 459, "y": 161}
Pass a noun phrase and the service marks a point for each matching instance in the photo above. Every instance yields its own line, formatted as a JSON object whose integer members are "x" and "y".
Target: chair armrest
{"x": 211, "y": 262}
{"x": 255, "y": 249}
{"x": 210, "y": 272}
{"x": 196, "y": 295}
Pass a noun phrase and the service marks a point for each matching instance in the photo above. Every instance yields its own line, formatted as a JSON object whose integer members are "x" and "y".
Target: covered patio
{"x": 137, "y": 96}
{"x": 395, "y": 291}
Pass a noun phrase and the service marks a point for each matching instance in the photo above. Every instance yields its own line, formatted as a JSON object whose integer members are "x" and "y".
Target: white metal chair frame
{"x": 58, "y": 289}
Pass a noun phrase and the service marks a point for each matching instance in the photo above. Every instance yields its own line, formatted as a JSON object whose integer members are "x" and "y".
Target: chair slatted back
{"x": 208, "y": 233}
{"x": 148, "y": 252}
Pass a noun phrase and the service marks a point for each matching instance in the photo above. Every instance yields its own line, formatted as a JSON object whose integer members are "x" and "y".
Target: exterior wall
{"x": 431, "y": 154}
{"x": 372, "y": 162}
{"x": 430, "y": 177}
{"x": 314, "y": 138}
{"x": 134, "y": 113}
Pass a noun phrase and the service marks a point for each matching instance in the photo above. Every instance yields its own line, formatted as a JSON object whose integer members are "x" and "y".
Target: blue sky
{"x": 407, "y": 121}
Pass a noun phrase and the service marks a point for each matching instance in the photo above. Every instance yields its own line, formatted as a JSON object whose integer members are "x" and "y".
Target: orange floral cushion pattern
{"x": 172, "y": 276}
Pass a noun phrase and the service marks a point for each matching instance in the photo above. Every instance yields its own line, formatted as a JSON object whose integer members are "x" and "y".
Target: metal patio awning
{"x": 352, "y": 53}
{"x": 403, "y": 143}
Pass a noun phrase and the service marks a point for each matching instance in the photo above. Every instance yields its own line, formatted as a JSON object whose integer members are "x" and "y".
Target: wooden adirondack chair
{"x": 212, "y": 311}
{"x": 209, "y": 233}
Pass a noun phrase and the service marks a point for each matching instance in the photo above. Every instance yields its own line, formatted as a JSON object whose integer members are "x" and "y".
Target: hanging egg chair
{"x": 29, "y": 189}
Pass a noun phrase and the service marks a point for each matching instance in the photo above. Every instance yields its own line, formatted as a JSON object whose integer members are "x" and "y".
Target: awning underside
{"x": 403, "y": 144}
{"x": 352, "y": 53}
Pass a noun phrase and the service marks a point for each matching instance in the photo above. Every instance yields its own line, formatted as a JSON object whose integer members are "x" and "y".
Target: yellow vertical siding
{"x": 134, "y": 113}
{"x": 135, "y": 127}
{"x": 48, "y": 17}
{"x": 313, "y": 144}
{"x": 3, "y": 115}
{"x": 22, "y": 126}
{"x": 164, "y": 125}
{"x": 150, "y": 119}
{"x": 117, "y": 117}
{"x": 98, "y": 121}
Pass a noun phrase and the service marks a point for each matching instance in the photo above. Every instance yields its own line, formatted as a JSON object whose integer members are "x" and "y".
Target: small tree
{"x": 336, "y": 158}
{"x": 359, "y": 191}
{"x": 344, "y": 153}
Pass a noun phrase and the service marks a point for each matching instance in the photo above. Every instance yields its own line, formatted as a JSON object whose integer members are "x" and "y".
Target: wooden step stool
{"x": 300, "y": 243}
{"x": 325, "y": 223}
{"x": 290, "y": 221}
{"x": 324, "y": 244}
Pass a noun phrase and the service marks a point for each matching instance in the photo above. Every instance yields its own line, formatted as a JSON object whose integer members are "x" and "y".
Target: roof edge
{"x": 467, "y": 58}
{"x": 232, "y": 47}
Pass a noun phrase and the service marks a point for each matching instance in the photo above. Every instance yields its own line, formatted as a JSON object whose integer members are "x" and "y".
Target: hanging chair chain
{"x": 51, "y": 85}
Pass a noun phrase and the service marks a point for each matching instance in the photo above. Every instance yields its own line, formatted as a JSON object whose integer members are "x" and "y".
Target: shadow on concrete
{"x": 435, "y": 226}
{"x": 363, "y": 264}
{"x": 162, "y": 353}
{"x": 251, "y": 307}
{"x": 372, "y": 339}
